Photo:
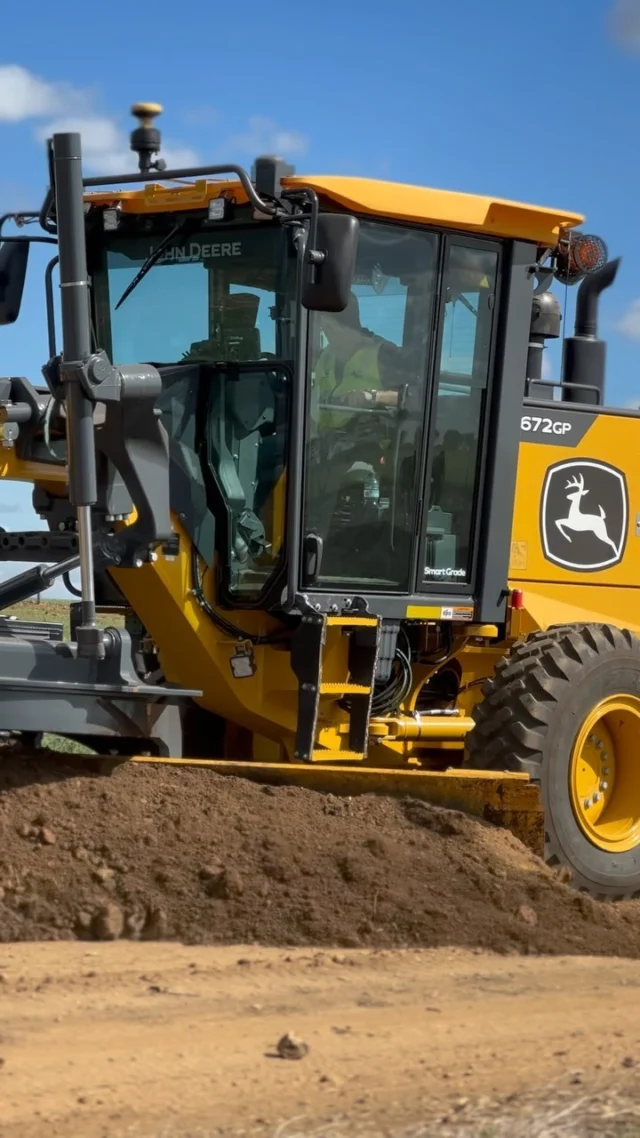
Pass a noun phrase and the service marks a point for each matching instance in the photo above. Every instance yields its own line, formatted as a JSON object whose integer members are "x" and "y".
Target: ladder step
{"x": 352, "y": 621}
{"x": 344, "y": 689}
{"x": 336, "y": 757}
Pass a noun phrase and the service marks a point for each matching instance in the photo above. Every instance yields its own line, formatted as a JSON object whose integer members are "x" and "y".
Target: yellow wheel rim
{"x": 604, "y": 775}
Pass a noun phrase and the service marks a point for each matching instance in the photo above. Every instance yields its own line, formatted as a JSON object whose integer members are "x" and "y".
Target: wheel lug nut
{"x": 604, "y": 786}
{"x": 587, "y": 803}
{"x": 605, "y": 770}
{"x": 596, "y": 797}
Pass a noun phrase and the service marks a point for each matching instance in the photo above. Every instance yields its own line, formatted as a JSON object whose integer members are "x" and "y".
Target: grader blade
{"x": 508, "y": 800}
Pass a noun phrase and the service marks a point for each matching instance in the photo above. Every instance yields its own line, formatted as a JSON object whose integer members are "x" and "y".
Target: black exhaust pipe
{"x": 583, "y": 354}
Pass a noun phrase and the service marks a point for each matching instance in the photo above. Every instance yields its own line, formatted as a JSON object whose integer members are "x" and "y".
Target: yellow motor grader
{"x": 296, "y": 434}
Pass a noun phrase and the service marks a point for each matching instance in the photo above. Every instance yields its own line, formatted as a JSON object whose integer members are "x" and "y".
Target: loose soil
{"x": 166, "y": 1041}
{"x": 157, "y": 853}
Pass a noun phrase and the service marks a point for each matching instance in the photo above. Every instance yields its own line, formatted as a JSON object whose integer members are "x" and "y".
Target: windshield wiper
{"x": 152, "y": 258}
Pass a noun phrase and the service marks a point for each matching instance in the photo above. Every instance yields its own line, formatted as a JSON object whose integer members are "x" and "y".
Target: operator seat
{"x": 234, "y": 336}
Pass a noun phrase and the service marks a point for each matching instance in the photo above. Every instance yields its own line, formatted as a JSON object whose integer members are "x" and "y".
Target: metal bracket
{"x": 307, "y": 645}
{"x": 47, "y": 686}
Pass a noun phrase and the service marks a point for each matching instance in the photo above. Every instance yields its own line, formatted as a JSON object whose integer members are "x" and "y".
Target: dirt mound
{"x": 155, "y": 852}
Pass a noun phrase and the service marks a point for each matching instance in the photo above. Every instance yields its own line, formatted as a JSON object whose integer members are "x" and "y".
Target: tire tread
{"x": 513, "y": 720}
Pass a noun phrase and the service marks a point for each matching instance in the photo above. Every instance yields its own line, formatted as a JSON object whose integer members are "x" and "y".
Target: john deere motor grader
{"x": 298, "y": 438}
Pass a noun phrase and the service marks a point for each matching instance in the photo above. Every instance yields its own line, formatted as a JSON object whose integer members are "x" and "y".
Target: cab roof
{"x": 450, "y": 209}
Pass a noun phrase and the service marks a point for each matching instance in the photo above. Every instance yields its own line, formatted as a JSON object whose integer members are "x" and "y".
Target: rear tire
{"x": 564, "y": 707}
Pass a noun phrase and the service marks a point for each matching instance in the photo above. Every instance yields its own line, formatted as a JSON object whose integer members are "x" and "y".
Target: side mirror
{"x": 14, "y": 256}
{"x": 330, "y": 287}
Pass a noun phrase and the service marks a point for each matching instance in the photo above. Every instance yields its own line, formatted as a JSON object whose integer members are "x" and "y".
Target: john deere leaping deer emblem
{"x": 584, "y": 535}
{"x": 579, "y": 522}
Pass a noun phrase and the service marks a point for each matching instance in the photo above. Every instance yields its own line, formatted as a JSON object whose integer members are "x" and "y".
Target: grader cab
{"x": 296, "y": 434}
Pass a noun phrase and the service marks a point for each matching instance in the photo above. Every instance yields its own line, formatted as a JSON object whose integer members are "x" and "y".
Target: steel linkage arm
{"x": 131, "y": 435}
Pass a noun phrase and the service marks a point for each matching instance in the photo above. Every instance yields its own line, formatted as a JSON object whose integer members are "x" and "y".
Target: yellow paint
{"x": 519, "y": 550}
{"x": 473, "y": 212}
{"x": 343, "y": 688}
{"x": 612, "y": 439}
{"x": 553, "y": 594}
{"x": 430, "y": 727}
{"x": 423, "y": 612}
{"x": 604, "y": 776}
{"x": 193, "y": 653}
{"x": 443, "y": 207}
{"x": 547, "y": 604}
{"x": 275, "y": 508}
{"x": 346, "y": 621}
{"x": 15, "y": 469}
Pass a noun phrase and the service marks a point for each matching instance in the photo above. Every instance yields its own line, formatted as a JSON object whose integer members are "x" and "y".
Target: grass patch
{"x": 58, "y": 612}
{"x": 64, "y": 746}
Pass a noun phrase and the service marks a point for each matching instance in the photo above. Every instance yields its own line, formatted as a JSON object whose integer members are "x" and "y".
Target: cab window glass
{"x": 461, "y": 385}
{"x": 367, "y": 406}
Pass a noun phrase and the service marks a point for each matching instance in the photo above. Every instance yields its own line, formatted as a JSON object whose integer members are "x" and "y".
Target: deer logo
{"x": 579, "y": 522}
{"x": 584, "y": 535}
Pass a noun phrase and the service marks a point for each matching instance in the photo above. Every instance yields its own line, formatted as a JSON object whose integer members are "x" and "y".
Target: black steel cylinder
{"x": 584, "y": 355}
{"x": 534, "y": 368}
{"x": 33, "y": 581}
{"x": 583, "y": 362}
{"x": 545, "y": 325}
{"x": 76, "y": 349}
{"x": 74, "y": 301}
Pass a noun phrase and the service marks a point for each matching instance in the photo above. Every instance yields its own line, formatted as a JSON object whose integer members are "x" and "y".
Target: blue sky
{"x": 534, "y": 102}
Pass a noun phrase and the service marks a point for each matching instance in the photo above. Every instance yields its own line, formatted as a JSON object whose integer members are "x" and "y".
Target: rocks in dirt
{"x": 528, "y": 915}
{"x": 377, "y": 846}
{"x": 133, "y": 924}
{"x": 350, "y": 869}
{"x": 107, "y": 923}
{"x": 103, "y": 874}
{"x": 221, "y": 881}
{"x": 156, "y": 925}
{"x": 276, "y": 868}
{"x": 290, "y": 1047}
{"x": 83, "y": 922}
{"x": 448, "y": 823}
{"x": 36, "y": 833}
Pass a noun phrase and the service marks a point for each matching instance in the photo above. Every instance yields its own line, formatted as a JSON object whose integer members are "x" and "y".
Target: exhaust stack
{"x": 584, "y": 355}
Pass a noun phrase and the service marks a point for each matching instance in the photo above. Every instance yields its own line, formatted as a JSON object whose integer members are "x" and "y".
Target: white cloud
{"x": 547, "y": 367}
{"x": 56, "y": 106}
{"x": 61, "y": 107}
{"x": 264, "y": 136}
{"x": 629, "y": 323}
{"x": 105, "y": 147}
{"x": 625, "y": 24}
{"x": 26, "y": 96}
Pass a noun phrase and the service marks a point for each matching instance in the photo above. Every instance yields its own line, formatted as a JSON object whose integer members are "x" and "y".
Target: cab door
{"x": 458, "y": 419}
